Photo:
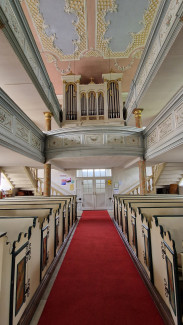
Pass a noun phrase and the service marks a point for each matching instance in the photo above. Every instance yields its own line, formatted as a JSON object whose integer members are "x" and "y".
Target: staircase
{"x": 163, "y": 175}
{"x": 171, "y": 174}
{"x": 21, "y": 178}
{"x": 25, "y": 178}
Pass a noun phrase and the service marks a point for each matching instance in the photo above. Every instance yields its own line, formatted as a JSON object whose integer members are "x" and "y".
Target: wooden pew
{"x": 69, "y": 206}
{"x": 166, "y": 242}
{"x": 120, "y": 197}
{"x": 16, "y": 210}
{"x": 60, "y": 205}
{"x": 56, "y": 229}
{"x": 140, "y": 228}
{"x": 125, "y": 203}
{"x": 20, "y": 276}
{"x": 135, "y": 207}
{"x": 123, "y": 200}
{"x": 71, "y": 197}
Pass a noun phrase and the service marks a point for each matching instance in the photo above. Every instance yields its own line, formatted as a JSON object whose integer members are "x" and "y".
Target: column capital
{"x": 138, "y": 114}
{"x": 48, "y": 116}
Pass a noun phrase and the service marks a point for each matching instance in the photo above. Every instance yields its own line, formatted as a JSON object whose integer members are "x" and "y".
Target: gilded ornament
{"x": 71, "y": 6}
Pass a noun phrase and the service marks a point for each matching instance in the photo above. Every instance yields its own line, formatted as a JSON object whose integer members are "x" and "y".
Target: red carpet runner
{"x": 97, "y": 283}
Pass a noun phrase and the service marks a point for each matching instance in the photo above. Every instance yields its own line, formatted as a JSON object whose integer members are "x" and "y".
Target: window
{"x": 100, "y": 185}
{"x": 93, "y": 173}
{"x": 87, "y": 186}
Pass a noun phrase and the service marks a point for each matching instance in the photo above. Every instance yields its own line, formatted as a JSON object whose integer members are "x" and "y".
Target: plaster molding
{"x": 20, "y": 37}
{"x": 138, "y": 39}
{"x": 165, "y": 132}
{"x": 110, "y": 129}
{"x": 159, "y": 44}
{"x": 102, "y": 44}
{"x": 54, "y": 53}
{"x": 94, "y": 141}
{"x": 18, "y": 132}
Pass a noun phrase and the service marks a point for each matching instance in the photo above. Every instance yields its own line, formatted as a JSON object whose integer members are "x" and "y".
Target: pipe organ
{"x": 92, "y": 101}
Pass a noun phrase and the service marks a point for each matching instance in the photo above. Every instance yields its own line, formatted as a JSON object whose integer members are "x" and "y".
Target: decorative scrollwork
{"x": 28, "y": 252}
{"x": 163, "y": 250}
{"x": 144, "y": 257}
{"x": 27, "y": 288}
{"x": 48, "y": 232}
{"x": 166, "y": 288}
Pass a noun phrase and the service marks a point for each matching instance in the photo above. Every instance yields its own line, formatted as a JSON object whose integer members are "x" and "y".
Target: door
{"x": 88, "y": 194}
{"x": 95, "y": 194}
{"x": 100, "y": 195}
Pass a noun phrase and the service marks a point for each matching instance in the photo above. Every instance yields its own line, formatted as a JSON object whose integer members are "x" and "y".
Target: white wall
{"x": 127, "y": 178}
{"x": 56, "y": 180}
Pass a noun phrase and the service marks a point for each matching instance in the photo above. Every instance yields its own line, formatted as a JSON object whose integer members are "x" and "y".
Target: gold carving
{"x": 91, "y": 82}
{"x": 71, "y": 6}
{"x": 138, "y": 39}
{"x": 138, "y": 112}
{"x": 90, "y": 93}
{"x": 112, "y": 81}
{"x": 70, "y": 83}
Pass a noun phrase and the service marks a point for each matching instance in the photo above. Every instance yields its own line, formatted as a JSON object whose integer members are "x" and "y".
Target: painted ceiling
{"x": 90, "y": 37}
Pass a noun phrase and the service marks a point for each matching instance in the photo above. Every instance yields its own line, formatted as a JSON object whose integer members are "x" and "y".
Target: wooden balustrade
{"x": 40, "y": 188}
{"x": 151, "y": 181}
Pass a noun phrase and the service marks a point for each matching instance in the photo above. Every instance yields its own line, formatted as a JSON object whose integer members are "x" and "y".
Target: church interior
{"x": 91, "y": 147}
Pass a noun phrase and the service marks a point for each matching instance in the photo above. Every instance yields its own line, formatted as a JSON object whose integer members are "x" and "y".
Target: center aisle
{"x": 98, "y": 282}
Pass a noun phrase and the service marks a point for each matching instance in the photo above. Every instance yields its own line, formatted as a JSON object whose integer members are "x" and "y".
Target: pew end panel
{"x": 132, "y": 231}
{"x": 164, "y": 257}
{"x": 146, "y": 249}
{"x": 5, "y": 265}
{"x": 19, "y": 266}
{"x": 47, "y": 247}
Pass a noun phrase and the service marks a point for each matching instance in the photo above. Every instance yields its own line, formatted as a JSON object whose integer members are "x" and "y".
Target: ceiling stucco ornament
{"x": 136, "y": 55}
{"x": 71, "y": 6}
{"x": 52, "y": 59}
{"x": 138, "y": 39}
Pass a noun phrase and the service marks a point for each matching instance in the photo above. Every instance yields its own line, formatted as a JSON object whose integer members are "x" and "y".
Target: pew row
{"x": 70, "y": 202}
{"x": 49, "y": 215}
{"x": 118, "y": 198}
{"x": 56, "y": 222}
{"x": 158, "y": 257}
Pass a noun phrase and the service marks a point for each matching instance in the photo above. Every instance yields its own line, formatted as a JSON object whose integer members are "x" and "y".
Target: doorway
{"x": 95, "y": 194}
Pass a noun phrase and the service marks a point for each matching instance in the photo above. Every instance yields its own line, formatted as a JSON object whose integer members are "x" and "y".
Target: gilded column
{"x": 0, "y": 176}
{"x": 142, "y": 177}
{"x": 48, "y": 116}
{"x": 47, "y": 179}
{"x": 138, "y": 117}
{"x": 142, "y": 163}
